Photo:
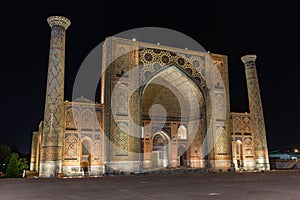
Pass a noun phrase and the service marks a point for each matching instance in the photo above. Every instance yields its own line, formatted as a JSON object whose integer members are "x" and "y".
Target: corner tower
{"x": 52, "y": 137}
{"x": 256, "y": 110}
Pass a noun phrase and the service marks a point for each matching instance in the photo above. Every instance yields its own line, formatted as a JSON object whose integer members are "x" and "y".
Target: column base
{"x": 174, "y": 163}
{"x": 220, "y": 165}
{"x": 125, "y": 166}
{"x": 76, "y": 171}
{"x": 147, "y": 164}
{"x": 249, "y": 165}
{"x": 32, "y": 166}
{"x": 49, "y": 169}
{"x": 197, "y": 163}
{"x": 262, "y": 164}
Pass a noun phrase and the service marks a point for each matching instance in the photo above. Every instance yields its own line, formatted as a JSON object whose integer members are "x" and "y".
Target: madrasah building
{"x": 178, "y": 117}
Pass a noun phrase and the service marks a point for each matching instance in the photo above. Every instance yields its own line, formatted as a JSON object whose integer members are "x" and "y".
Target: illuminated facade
{"x": 178, "y": 116}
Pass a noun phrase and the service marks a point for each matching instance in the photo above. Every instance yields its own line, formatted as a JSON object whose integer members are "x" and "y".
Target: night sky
{"x": 269, "y": 30}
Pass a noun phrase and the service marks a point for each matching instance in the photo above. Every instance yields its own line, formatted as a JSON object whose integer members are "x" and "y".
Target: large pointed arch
{"x": 183, "y": 87}
{"x": 184, "y": 103}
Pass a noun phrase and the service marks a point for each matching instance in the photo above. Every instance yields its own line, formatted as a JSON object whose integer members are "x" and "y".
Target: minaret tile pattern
{"x": 52, "y": 137}
{"x": 256, "y": 110}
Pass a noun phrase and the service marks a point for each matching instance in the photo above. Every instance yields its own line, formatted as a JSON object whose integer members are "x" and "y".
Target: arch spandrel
{"x": 153, "y": 61}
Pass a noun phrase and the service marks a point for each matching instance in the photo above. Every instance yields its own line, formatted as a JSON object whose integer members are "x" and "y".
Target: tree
{"x": 13, "y": 166}
{"x": 22, "y": 164}
{"x": 5, "y": 152}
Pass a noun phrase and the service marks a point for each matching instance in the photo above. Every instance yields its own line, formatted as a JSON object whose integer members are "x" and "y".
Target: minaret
{"x": 256, "y": 110}
{"x": 52, "y": 138}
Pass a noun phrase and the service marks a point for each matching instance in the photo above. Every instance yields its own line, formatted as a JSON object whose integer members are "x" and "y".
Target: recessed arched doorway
{"x": 182, "y": 150}
{"x": 170, "y": 99}
{"x": 239, "y": 154}
{"x": 183, "y": 159}
{"x": 160, "y": 150}
{"x": 85, "y": 158}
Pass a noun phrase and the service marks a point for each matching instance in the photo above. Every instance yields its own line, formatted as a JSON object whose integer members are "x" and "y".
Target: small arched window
{"x": 182, "y": 133}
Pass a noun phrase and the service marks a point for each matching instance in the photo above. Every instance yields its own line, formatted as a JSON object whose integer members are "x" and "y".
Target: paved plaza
{"x": 256, "y": 185}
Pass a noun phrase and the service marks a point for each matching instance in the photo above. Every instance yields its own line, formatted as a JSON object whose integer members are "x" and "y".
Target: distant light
{"x": 296, "y": 150}
{"x": 133, "y": 39}
{"x": 208, "y": 51}
{"x": 66, "y": 101}
{"x": 186, "y": 48}
{"x": 158, "y": 43}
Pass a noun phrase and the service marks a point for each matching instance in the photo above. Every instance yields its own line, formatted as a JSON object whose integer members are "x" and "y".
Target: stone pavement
{"x": 255, "y": 185}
